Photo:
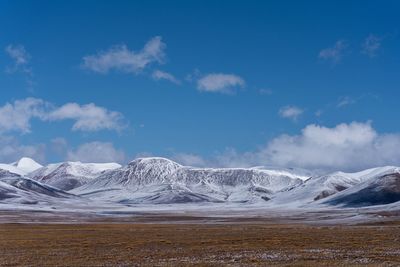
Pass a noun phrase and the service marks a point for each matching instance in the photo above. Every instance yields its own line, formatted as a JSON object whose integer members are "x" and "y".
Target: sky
{"x": 305, "y": 84}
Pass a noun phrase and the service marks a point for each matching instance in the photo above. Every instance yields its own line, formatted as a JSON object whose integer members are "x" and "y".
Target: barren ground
{"x": 240, "y": 243}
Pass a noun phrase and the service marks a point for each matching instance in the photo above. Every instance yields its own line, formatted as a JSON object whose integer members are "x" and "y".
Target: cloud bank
{"x": 11, "y": 150}
{"x": 98, "y": 152}
{"x": 348, "y": 147}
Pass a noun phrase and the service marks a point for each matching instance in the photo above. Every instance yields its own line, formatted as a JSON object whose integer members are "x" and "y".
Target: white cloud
{"x": 351, "y": 146}
{"x": 17, "y": 116}
{"x": 11, "y": 150}
{"x": 188, "y": 159}
{"x": 20, "y": 57}
{"x": 229, "y": 158}
{"x": 120, "y": 58}
{"x": 347, "y": 147}
{"x": 21, "y": 63}
{"x": 219, "y": 82}
{"x": 88, "y": 117}
{"x": 232, "y": 158}
{"x": 335, "y": 53}
{"x": 290, "y": 112}
{"x": 162, "y": 75}
{"x": 345, "y": 101}
{"x": 59, "y": 145}
{"x": 371, "y": 45}
{"x": 97, "y": 152}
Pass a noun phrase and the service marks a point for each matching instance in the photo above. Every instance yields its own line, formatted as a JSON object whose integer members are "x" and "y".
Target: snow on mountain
{"x": 69, "y": 175}
{"x": 290, "y": 172}
{"x": 160, "y": 180}
{"x": 379, "y": 189}
{"x": 27, "y": 165}
{"x": 6, "y": 173}
{"x": 17, "y": 189}
{"x": 29, "y": 185}
{"x": 321, "y": 187}
{"x": 21, "y": 167}
{"x": 11, "y": 168}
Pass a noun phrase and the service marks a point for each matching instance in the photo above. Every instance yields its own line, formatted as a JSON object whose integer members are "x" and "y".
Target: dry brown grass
{"x": 198, "y": 245}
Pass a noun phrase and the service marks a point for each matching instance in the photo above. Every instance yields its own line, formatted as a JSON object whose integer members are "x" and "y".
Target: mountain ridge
{"x": 157, "y": 180}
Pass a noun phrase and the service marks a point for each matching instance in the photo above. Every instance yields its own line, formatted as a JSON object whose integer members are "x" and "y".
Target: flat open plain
{"x": 194, "y": 242}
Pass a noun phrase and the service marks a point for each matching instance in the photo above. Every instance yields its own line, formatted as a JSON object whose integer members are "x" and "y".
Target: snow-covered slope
{"x": 27, "y": 165}
{"x": 68, "y": 175}
{"x": 160, "y": 180}
{"x": 5, "y": 173}
{"x": 380, "y": 189}
{"x": 15, "y": 189}
{"x": 21, "y": 167}
{"x": 11, "y": 168}
{"x": 321, "y": 187}
{"x": 157, "y": 180}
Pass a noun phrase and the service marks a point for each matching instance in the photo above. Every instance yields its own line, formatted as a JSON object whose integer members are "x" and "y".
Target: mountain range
{"x": 160, "y": 181}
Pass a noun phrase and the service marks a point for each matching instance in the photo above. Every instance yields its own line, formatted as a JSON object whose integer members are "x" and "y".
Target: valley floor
{"x": 192, "y": 242}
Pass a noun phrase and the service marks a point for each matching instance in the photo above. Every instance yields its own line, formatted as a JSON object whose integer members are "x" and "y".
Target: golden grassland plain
{"x": 198, "y": 244}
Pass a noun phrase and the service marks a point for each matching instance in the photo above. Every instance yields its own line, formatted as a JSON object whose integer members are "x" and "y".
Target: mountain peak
{"x": 27, "y": 165}
{"x": 153, "y": 160}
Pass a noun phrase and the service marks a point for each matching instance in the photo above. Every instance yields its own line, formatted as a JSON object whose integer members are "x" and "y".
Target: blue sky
{"x": 220, "y": 82}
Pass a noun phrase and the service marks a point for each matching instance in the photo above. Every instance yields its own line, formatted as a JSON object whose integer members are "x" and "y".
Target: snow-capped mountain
{"x": 69, "y": 175}
{"x": 155, "y": 180}
{"x": 160, "y": 180}
{"x": 27, "y": 165}
{"x": 12, "y": 169}
{"x": 321, "y": 187}
{"x": 17, "y": 189}
{"x": 380, "y": 189}
{"x": 21, "y": 167}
